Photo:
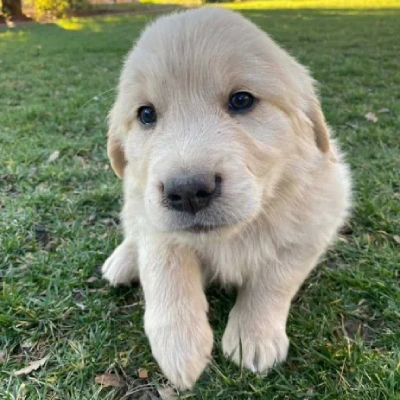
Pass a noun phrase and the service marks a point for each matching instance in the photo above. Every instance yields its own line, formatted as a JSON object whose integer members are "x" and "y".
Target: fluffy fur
{"x": 285, "y": 188}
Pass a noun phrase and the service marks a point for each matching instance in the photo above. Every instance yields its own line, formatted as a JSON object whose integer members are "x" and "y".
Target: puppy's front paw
{"x": 121, "y": 267}
{"x": 182, "y": 348}
{"x": 255, "y": 345}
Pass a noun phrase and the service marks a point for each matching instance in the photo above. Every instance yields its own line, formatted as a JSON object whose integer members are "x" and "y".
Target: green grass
{"x": 284, "y": 4}
{"x": 56, "y": 224}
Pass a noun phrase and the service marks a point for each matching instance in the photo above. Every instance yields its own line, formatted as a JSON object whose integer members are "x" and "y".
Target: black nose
{"x": 191, "y": 193}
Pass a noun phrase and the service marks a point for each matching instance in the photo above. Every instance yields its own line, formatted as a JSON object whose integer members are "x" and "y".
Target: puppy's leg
{"x": 256, "y": 332}
{"x": 121, "y": 268}
{"x": 176, "y": 311}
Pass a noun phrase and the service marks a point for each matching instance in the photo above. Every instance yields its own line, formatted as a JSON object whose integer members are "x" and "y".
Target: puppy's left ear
{"x": 116, "y": 154}
{"x": 321, "y": 130}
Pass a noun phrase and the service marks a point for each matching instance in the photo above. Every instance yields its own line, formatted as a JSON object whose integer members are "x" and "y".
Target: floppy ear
{"x": 116, "y": 154}
{"x": 321, "y": 130}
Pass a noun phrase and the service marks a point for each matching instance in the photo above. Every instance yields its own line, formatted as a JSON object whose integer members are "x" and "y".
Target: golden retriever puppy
{"x": 229, "y": 174}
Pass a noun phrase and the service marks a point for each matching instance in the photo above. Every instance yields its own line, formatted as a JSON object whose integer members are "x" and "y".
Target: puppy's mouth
{"x": 198, "y": 228}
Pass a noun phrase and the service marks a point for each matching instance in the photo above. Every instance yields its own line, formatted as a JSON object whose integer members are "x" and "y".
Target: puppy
{"x": 229, "y": 174}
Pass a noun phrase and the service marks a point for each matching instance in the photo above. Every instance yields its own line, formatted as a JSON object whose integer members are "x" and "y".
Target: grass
{"x": 58, "y": 219}
{"x": 287, "y": 4}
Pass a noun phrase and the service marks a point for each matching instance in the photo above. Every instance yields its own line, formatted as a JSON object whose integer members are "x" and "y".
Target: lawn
{"x": 59, "y": 204}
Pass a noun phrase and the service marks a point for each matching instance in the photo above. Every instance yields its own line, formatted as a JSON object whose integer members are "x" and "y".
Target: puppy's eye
{"x": 147, "y": 115}
{"x": 240, "y": 101}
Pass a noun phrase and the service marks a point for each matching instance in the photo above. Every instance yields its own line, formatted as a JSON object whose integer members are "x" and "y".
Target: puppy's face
{"x": 207, "y": 121}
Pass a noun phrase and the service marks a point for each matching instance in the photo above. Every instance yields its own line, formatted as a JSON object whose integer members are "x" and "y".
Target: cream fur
{"x": 285, "y": 190}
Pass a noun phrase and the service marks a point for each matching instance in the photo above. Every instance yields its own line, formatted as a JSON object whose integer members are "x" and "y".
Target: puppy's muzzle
{"x": 191, "y": 193}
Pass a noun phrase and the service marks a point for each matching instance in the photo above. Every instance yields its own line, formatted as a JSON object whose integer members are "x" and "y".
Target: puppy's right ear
{"x": 116, "y": 153}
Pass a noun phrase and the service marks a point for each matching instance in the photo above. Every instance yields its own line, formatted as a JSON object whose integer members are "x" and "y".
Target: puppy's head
{"x": 211, "y": 116}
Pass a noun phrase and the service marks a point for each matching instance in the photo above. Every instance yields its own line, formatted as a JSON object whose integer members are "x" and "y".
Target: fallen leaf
{"x": 143, "y": 374}
{"x": 33, "y": 366}
{"x": 167, "y": 393}
{"x": 92, "y": 279}
{"x": 111, "y": 380}
{"x": 383, "y": 111}
{"x": 396, "y": 239}
{"x": 2, "y": 356}
{"x": 371, "y": 117}
{"x": 53, "y": 156}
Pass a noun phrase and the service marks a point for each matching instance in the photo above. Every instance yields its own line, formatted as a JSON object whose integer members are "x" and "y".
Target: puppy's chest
{"x": 230, "y": 263}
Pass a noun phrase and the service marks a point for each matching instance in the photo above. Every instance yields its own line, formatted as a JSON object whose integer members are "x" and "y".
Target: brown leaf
{"x": 371, "y": 117}
{"x": 2, "y": 356}
{"x": 53, "y": 156}
{"x": 108, "y": 379}
{"x": 33, "y": 366}
{"x": 92, "y": 279}
{"x": 143, "y": 374}
{"x": 396, "y": 239}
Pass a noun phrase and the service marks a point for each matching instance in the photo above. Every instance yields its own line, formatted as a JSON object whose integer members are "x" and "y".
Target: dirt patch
{"x": 354, "y": 328}
{"x": 10, "y": 22}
